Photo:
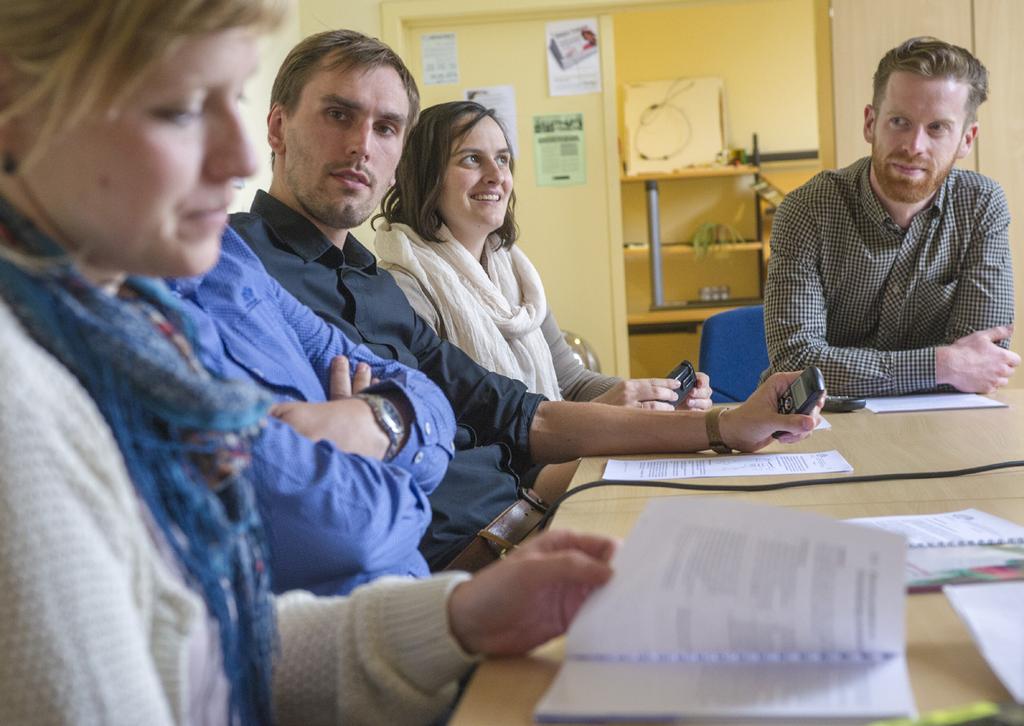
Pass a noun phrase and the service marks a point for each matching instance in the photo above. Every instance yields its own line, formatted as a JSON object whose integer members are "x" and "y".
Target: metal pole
{"x": 654, "y": 244}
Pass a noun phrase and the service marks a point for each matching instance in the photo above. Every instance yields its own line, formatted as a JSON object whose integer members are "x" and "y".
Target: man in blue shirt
{"x": 336, "y": 518}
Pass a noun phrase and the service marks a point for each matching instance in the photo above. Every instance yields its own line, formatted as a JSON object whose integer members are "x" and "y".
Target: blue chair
{"x": 733, "y": 352}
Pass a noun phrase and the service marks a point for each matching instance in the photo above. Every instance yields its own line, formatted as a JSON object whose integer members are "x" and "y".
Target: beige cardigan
{"x": 94, "y": 626}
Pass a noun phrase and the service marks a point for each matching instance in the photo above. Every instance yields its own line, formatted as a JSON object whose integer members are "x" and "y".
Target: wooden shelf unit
{"x": 695, "y": 172}
{"x": 681, "y": 317}
{"x": 686, "y": 247}
{"x": 651, "y": 184}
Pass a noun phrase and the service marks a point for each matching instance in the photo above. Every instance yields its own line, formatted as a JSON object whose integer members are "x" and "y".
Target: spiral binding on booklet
{"x": 738, "y": 657}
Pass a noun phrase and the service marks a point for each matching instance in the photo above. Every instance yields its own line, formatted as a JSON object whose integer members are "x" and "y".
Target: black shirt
{"x": 346, "y": 288}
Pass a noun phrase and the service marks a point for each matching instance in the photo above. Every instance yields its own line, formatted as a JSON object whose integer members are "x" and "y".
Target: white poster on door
{"x": 440, "y": 59}
{"x": 574, "y": 60}
{"x": 503, "y": 100}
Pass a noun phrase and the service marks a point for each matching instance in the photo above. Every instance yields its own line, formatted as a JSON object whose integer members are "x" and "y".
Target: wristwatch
{"x": 389, "y": 419}
{"x": 715, "y": 441}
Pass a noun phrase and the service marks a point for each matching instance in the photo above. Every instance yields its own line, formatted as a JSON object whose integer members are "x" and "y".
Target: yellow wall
{"x": 1000, "y": 154}
{"x": 764, "y": 52}
{"x": 361, "y": 15}
{"x": 274, "y": 47}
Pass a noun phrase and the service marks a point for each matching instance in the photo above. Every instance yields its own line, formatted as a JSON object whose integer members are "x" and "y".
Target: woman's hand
{"x": 658, "y": 393}
{"x": 530, "y": 596}
{"x": 699, "y": 397}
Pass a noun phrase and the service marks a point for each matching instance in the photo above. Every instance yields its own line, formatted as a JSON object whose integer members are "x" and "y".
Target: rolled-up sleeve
{"x": 335, "y": 520}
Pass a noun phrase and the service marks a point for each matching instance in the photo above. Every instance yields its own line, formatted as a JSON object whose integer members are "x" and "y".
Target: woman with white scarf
{"x": 448, "y": 241}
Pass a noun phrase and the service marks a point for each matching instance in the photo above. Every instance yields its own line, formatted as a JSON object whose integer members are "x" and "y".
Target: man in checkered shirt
{"x": 893, "y": 275}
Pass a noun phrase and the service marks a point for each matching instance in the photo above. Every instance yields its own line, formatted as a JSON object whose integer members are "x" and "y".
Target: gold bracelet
{"x": 715, "y": 442}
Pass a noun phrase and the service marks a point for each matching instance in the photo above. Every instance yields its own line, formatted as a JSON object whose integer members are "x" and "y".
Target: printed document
{"x": 821, "y": 462}
{"x": 720, "y": 609}
{"x": 949, "y": 529}
{"x": 931, "y": 402}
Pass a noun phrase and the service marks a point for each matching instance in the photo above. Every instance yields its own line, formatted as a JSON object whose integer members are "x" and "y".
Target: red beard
{"x": 899, "y": 188}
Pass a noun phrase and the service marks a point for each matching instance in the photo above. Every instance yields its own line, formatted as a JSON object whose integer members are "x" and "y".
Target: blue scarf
{"x": 185, "y": 437}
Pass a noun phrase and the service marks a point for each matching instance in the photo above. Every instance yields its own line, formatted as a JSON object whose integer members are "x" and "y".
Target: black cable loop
{"x": 546, "y": 519}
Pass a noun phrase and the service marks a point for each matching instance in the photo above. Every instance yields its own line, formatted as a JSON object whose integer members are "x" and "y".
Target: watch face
{"x": 390, "y": 416}
{"x": 388, "y": 419}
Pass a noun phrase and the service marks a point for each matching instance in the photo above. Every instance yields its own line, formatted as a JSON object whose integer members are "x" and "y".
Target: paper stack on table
{"x": 956, "y": 547}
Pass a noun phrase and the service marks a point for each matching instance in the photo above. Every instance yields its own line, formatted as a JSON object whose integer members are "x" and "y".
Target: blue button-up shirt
{"x": 335, "y": 519}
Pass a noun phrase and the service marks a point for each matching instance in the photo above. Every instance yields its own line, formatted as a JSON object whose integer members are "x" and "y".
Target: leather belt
{"x": 504, "y": 532}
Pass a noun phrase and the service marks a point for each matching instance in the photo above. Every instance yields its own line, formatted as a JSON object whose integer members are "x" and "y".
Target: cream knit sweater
{"x": 94, "y": 625}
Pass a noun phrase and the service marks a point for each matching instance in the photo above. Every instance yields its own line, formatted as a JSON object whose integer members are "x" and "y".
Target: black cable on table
{"x": 546, "y": 519}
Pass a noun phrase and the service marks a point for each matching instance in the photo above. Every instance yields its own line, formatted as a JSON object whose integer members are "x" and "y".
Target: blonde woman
{"x": 134, "y": 584}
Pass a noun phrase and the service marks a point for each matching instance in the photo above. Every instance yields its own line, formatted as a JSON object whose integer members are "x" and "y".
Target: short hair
{"x": 63, "y": 60}
{"x": 932, "y": 58}
{"x": 338, "y": 49}
{"x": 414, "y": 198}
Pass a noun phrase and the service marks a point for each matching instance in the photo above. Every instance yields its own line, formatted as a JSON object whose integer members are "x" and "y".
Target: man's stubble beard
{"x": 907, "y": 191}
{"x": 318, "y": 202}
{"x": 346, "y": 216}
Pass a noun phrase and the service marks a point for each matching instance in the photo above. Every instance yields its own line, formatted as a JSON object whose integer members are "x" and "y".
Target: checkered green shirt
{"x": 852, "y": 293}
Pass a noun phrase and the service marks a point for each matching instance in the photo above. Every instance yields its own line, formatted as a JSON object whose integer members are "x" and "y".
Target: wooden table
{"x": 945, "y": 667}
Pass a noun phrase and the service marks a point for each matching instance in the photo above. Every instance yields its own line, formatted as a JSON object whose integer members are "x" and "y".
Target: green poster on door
{"x": 559, "y": 151}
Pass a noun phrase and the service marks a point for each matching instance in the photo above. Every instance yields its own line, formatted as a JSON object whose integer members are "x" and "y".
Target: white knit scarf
{"x": 492, "y": 311}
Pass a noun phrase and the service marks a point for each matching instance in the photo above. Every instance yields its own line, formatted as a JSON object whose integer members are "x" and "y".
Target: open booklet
{"x": 956, "y": 547}
{"x": 724, "y": 610}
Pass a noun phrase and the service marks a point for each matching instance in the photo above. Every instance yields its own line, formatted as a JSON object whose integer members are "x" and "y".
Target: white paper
{"x": 821, "y": 462}
{"x": 725, "y": 576}
{"x": 503, "y": 100}
{"x": 949, "y": 529}
{"x": 723, "y": 609}
{"x": 440, "y": 59}
{"x": 993, "y": 614}
{"x": 673, "y": 124}
{"x": 931, "y": 402}
{"x": 574, "y": 58}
